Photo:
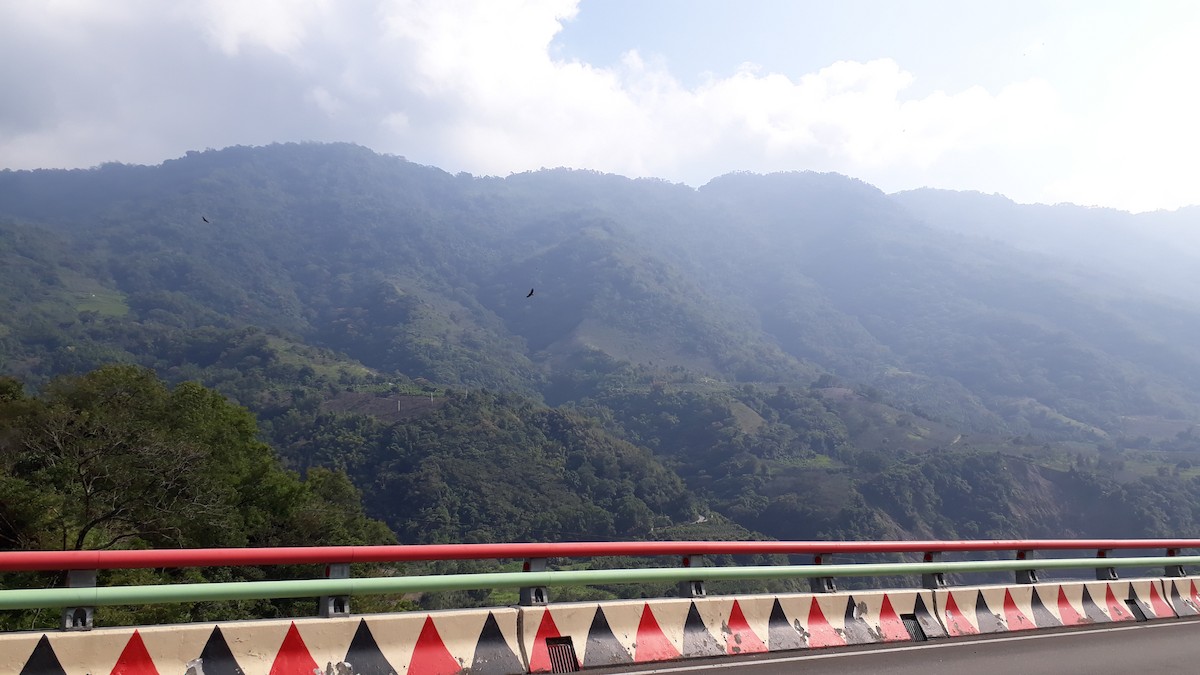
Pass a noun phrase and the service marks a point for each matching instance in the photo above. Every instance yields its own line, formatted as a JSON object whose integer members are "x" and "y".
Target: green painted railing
{"x": 170, "y": 593}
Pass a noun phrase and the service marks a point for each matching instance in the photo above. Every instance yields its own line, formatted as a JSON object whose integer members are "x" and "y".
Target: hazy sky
{"x": 1089, "y": 102}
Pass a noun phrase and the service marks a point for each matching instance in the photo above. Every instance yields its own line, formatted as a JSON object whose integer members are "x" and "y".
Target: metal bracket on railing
{"x": 335, "y": 605}
{"x": 533, "y": 595}
{"x": 933, "y": 580}
{"x": 691, "y": 589}
{"x": 78, "y": 618}
{"x": 822, "y": 584}
{"x": 1174, "y": 570}
{"x": 1029, "y": 576}
{"x": 1105, "y": 573}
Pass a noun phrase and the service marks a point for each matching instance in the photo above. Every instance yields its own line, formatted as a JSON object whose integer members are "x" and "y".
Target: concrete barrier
{"x": 623, "y": 632}
{"x": 1183, "y": 594}
{"x": 417, "y": 643}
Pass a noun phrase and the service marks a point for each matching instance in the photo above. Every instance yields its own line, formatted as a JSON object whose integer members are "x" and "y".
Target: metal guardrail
{"x": 172, "y": 593}
{"x": 221, "y": 557}
{"x": 81, "y": 594}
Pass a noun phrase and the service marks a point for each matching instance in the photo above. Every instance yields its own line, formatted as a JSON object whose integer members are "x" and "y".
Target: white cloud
{"x": 474, "y": 85}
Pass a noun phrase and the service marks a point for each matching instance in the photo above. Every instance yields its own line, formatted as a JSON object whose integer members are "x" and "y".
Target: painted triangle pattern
{"x": 1092, "y": 611}
{"x": 1159, "y": 606}
{"x": 697, "y": 640}
{"x": 928, "y": 621}
{"x": 820, "y": 633}
{"x": 42, "y": 660}
{"x": 1070, "y": 617}
{"x": 781, "y": 634}
{"x": 1042, "y": 616}
{"x": 134, "y": 658}
{"x": 956, "y": 623}
{"x": 430, "y": 656}
{"x": 293, "y": 657}
{"x": 364, "y": 655}
{"x": 891, "y": 626}
{"x": 652, "y": 643}
{"x": 493, "y": 656}
{"x": 216, "y": 659}
{"x": 1013, "y": 616}
{"x": 1182, "y": 606}
{"x": 987, "y": 620}
{"x": 1117, "y": 611}
{"x": 741, "y": 638}
{"x": 603, "y": 649}
{"x": 855, "y": 629}
{"x": 539, "y": 658}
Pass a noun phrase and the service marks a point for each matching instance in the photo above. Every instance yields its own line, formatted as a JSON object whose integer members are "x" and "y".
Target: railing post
{"x": 1029, "y": 576}
{"x": 933, "y": 580}
{"x": 78, "y": 618}
{"x": 534, "y": 595}
{"x": 1105, "y": 573}
{"x": 1174, "y": 570}
{"x": 691, "y": 589}
{"x": 335, "y": 605}
{"x": 822, "y": 584}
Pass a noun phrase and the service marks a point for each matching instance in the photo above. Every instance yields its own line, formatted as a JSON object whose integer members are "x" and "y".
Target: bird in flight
{"x": 204, "y": 219}
{"x": 530, "y": 293}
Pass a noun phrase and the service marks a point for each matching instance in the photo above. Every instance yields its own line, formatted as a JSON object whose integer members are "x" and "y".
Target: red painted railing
{"x": 221, "y": 557}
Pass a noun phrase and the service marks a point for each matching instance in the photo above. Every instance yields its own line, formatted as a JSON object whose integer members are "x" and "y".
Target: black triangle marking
{"x": 216, "y": 659}
{"x": 988, "y": 621}
{"x": 856, "y": 630}
{"x": 1042, "y": 617}
{"x": 603, "y": 649}
{"x": 782, "y": 635}
{"x": 1182, "y": 605}
{"x": 1091, "y": 610}
{"x": 929, "y": 623}
{"x": 493, "y": 656}
{"x": 697, "y": 641}
{"x": 43, "y": 660}
{"x": 364, "y": 656}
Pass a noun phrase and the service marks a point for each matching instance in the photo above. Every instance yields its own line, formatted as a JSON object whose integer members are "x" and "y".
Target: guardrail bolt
{"x": 335, "y": 605}
{"x": 1174, "y": 570}
{"x": 1105, "y": 573}
{"x": 933, "y": 580}
{"x": 691, "y": 589}
{"x": 821, "y": 584}
{"x": 78, "y": 618}
{"x": 534, "y": 595}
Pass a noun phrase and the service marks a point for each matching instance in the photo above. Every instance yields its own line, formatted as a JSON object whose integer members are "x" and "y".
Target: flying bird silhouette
{"x": 530, "y": 293}
{"x": 204, "y": 219}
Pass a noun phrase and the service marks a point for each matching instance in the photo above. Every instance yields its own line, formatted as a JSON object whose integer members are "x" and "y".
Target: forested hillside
{"x": 793, "y": 355}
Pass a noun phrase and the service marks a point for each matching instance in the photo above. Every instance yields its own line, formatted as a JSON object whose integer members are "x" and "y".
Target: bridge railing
{"x": 82, "y": 594}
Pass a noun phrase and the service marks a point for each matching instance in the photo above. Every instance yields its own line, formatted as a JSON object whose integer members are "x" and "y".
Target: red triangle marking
{"x": 1161, "y": 609}
{"x": 1195, "y": 597}
{"x": 430, "y": 656}
{"x": 134, "y": 659}
{"x": 539, "y": 659}
{"x": 1069, "y": 616}
{"x": 741, "y": 638}
{"x": 1116, "y": 611}
{"x": 293, "y": 657}
{"x": 1014, "y": 617}
{"x": 820, "y": 633}
{"x": 956, "y": 623}
{"x": 890, "y": 623}
{"x": 652, "y": 644}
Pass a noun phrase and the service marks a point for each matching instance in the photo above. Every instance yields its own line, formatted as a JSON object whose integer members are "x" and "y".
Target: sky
{"x": 1094, "y": 103}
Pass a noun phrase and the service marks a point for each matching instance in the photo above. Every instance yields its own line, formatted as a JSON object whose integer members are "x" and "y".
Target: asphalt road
{"x": 1157, "y": 647}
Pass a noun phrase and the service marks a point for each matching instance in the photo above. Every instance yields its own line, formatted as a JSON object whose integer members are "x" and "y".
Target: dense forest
{"x": 792, "y": 355}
